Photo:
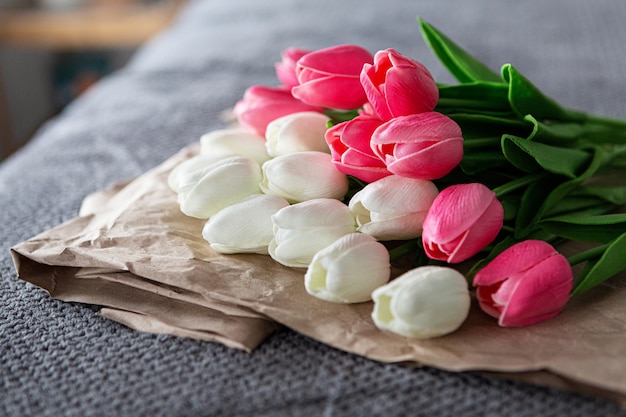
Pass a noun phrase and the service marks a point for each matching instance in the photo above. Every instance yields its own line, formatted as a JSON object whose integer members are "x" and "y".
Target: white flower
{"x": 393, "y": 208}
{"x": 348, "y": 270}
{"x": 234, "y": 142}
{"x": 425, "y": 302}
{"x": 303, "y": 176}
{"x": 303, "y": 229}
{"x": 204, "y": 192}
{"x": 297, "y": 132}
{"x": 186, "y": 174}
{"x": 244, "y": 227}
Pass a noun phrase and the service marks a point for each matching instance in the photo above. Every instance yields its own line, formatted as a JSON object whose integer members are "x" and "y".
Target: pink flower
{"x": 260, "y": 105}
{"x": 286, "y": 68}
{"x": 349, "y": 144}
{"x": 330, "y": 77}
{"x": 526, "y": 284}
{"x": 424, "y": 146}
{"x": 463, "y": 220}
{"x": 398, "y": 86}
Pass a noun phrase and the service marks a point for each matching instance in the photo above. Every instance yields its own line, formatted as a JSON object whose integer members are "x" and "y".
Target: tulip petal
{"x": 456, "y": 209}
{"x": 340, "y": 59}
{"x": 244, "y": 227}
{"x": 348, "y": 270}
{"x": 344, "y": 92}
{"x": 227, "y": 182}
{"x": 481, "y": 234}
{"x": 422, "y": 303}
{"x": 545, "y": 290}
{"x": 232, "y": 142}
{"x": 517, "y": 258}
{"x": 289, "y": 176}
{"x": 296, "y": 132}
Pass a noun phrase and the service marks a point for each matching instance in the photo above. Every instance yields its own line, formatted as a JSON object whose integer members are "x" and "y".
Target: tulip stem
{"x": 587, "y": 255}
{"x": 511, "y": 186}
{"x": 403, "y": 250}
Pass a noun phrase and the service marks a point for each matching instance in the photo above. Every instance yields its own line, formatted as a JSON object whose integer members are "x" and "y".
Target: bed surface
{"x": 63, "y": 359}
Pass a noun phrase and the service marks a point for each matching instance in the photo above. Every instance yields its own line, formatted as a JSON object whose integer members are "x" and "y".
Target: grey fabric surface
{"x": 62, "y": 359}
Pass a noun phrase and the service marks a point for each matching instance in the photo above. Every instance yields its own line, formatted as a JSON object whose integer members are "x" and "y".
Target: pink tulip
{"x": 260, "y": 105}
{"x": 398, "y": 86}
{"x": 526, "y": 284}
{"x": 349, "y": 144}
{"x": 463, "y": 220}
{"x": 330, "y": 77}
{"x": 424, "y": 146}
{"x": 286, "y": 68}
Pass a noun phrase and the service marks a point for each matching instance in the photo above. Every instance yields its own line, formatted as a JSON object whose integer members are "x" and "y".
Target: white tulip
{"x": 348, "y": 270}
{"x": 234, "y": 142}
{"x": 393, "y": 208}
{"x": 218, "y": 185}
{"x": 303, "y": 176}
{"x": 303, "y": 229}
{"x": 424, "y": 302}
{"x": 186, "y": 174}
{"x": 244, "y": 227}
{"x": 297, "y": 132}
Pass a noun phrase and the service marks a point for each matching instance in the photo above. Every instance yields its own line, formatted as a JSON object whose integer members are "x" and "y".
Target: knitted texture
{"x": 62, "y": 359}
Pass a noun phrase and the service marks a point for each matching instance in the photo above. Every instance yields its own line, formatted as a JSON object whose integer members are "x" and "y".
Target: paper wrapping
{"x": 133, "y": 252}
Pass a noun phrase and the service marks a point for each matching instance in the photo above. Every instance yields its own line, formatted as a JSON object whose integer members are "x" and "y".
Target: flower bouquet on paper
{"x": 357, "y": 161}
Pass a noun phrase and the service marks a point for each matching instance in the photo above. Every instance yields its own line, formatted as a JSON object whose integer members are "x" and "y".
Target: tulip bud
{"x": 260, "y": 105}
{"x": 234, "y": 142}
{"x": 348, "y": 270}
{"x": 244, "y": 227}
{"x": 302, "y": 230}
{"x": 297, "y": 132}
{"x": 393, "y": 208}
{"x": 525, "y": 284}
{"x": 330, "y": 77}
{"x": 425, "y": 302}
{"x": 426, "y": 145}
{"x": 186, "y": 174}
{"x": 350, "y": 148}
{"x": 398, "y": 86}
{"x": 204, "y": 192}
{"x": 462, "y": 221}
{"x": 303, "y": 176}
{"x": 286, "y": 68}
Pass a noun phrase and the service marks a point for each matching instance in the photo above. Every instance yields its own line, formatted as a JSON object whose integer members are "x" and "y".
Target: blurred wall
{"x": 35, "y": 87}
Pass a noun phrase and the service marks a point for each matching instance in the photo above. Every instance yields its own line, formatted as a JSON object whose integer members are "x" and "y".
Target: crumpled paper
{"x": 132, "y": 251}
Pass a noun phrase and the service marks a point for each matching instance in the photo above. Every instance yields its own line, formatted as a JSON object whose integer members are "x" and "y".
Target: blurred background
{"x": 51, "y": 51}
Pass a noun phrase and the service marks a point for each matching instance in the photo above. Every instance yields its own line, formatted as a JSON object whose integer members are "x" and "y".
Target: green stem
{"x": 511, "y": 186}
{"x": 493, "y": 141}
{"x": 587, "y": 255}
{"x": 403, "y": 250}
{"x": 606, "y": 121}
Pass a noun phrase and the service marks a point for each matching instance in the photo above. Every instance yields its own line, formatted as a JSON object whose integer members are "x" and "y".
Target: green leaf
{"x": 599, "y": 228}
{"x": 526, "y": 98}
{"x": 476, "y": 162}
{"x": 614, "y": 195}
{"x": 480, "y": 125}
{"x": 544, "y": 196}
{"x": 587, "y": 205}
{"x": 475, "y": 95}
{"x": 460, "y": 63}
{"x": 554, "y": 133}
{"x": 532, "y": 204}
{"x": 532, "y": 156}
{"x": 610, "y": 263}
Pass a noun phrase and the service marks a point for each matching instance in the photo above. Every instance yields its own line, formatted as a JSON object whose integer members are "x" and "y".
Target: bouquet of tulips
{"x": 357, "y": 160}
